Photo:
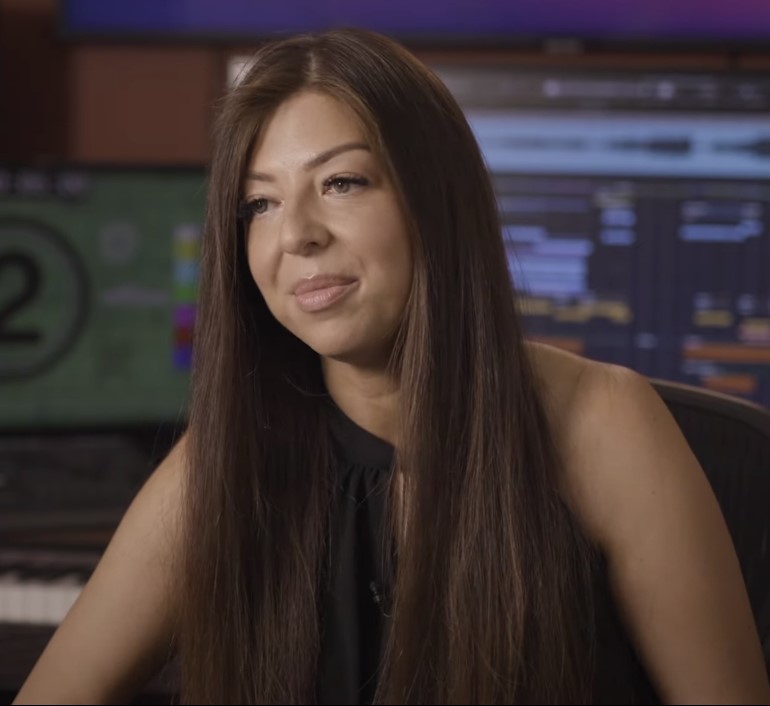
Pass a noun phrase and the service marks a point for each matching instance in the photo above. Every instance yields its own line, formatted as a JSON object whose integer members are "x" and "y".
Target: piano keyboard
{"x": 39, "y": 587}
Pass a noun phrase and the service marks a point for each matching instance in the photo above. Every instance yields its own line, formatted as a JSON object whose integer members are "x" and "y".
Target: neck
{"x": 369, "y": 397}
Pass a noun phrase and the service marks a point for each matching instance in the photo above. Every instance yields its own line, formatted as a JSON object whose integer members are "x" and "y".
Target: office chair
{"x": 731, "y": 439}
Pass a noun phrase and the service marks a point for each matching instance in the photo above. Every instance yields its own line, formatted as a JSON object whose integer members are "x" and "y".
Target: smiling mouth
{"x": 323, "y": 297}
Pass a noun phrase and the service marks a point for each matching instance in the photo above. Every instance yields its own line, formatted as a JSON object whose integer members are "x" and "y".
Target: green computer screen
{"x": 98, "y": 277}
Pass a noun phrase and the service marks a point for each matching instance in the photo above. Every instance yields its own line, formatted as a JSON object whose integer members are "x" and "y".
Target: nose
{"x": 302, "y": 230}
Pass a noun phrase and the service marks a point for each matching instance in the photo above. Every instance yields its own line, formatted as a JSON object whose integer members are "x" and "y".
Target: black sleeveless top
{"x": 354, "y": 610}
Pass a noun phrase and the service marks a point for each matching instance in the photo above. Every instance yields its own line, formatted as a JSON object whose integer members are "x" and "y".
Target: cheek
{"x": 398, "y": 255}
{"x": 261, "y": 274}
{"x": 258, "y": 265}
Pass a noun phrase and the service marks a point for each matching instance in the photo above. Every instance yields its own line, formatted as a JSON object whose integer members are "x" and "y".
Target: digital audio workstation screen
{"x": 635, "y": 210}
{"x": 98, "y": 275}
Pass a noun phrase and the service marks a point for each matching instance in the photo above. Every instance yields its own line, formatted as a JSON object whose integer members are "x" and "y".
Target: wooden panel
{"x": 142, "y": 104}
{"x": 32, "y": 82}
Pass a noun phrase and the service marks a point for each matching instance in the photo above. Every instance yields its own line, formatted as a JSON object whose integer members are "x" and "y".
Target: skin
{"x": 629, "y": 476}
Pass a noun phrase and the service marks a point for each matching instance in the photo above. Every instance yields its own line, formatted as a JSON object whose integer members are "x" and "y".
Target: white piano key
{"x": 37, "y": 602}
{"x": 34, "y": 602}
{"x": 64, "y": 592}
{"x": 8, "y": 581}
{"x": 15, "y": 602}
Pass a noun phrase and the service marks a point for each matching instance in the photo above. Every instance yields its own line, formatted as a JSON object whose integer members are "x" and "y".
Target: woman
{"x": 384, "y": 493}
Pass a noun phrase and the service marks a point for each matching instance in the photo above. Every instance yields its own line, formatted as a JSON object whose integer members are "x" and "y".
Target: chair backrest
{"x": 731, "y": 439}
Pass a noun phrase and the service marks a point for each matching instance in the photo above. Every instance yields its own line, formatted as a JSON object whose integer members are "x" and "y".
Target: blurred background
{"x": 629, "y": 144}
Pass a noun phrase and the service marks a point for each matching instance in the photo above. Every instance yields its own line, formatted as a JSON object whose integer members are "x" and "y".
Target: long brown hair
{"x": 492, "y": 598}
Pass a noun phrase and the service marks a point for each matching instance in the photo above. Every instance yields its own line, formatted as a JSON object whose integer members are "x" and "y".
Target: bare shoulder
{"x": 611, "y": 428}
{"x": 558, "y": 374}
{"x": 642, "y": 497}
{"x": 571, "y": 383}
{"x": 120, "y": 629}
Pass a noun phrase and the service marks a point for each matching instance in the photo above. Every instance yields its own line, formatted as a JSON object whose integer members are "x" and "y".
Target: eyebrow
{"x": 316, "y": 161}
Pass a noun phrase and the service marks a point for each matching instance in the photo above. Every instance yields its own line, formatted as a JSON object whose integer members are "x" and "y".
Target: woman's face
{"x": 327, "y": 242}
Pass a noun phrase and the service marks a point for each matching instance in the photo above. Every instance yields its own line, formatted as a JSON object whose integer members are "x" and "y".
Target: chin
{"x": 351, "y": 352}
{"x": 335, "y": 350}
{"x": 346, "y": 341}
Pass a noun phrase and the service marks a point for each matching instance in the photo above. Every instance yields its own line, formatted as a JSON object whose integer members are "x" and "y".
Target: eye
{"x": 343, "y": 184}
{"x": 253, "y": 207}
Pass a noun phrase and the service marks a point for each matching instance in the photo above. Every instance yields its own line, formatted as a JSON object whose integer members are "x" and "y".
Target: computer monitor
{"x": 98, "y": 278}
{"x": 438, "y": 22}
{"x": 635, "y": 208}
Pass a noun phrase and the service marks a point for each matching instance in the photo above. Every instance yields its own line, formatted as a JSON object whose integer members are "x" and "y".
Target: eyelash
{"x": 248, "y": 209}
{"x": 346, "y": 179}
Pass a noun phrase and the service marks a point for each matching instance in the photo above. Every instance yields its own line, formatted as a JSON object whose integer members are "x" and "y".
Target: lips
{"x": 317, "y": 282}
{"x": 322, "y": 291}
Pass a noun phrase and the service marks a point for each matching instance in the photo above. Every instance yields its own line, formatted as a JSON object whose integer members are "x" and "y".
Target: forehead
{"x": 303, "y": 126}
